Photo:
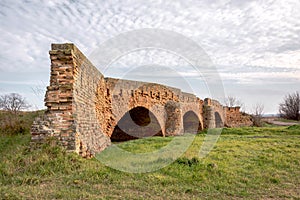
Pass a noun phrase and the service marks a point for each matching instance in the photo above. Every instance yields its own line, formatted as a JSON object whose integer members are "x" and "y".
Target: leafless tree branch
{"x": 13, "y": 103}
{"x": 257, "y": 114}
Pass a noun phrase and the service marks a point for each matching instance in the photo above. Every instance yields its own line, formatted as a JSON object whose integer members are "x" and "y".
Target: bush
{"x": 11, "y": 124}
{"x": 188, "y": 162}
{"x": 290, "y": 107}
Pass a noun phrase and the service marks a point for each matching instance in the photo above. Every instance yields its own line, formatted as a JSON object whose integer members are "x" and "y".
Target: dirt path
{"x": 279, "y": 123}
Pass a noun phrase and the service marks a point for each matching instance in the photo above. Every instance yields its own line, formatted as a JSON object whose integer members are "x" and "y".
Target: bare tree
{"x": 232, "y": 101}
{"x": 290, "y": 108}
{"x": 257, "y": 114}
{"x": 13, "y": 103}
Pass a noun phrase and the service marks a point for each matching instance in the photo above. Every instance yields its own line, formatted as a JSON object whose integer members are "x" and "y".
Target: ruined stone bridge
{"x": 86, "y": 111}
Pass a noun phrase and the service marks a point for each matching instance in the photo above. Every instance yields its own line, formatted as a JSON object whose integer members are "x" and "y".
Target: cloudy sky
{"x": 255, "y": 45}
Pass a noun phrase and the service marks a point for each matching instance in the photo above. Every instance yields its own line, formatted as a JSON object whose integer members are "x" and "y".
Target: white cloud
{"x": 287, "y": 59}
{"x": 260, "y": 78}
{"x": 235, "y": 34}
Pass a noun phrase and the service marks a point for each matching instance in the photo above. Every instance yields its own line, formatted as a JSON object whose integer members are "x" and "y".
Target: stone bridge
{"x": 86, "y": 111}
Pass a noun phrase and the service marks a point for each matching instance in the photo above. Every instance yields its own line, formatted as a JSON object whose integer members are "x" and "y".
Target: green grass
{"x": 263, "y": 131}
{"x": 245, "y": 163}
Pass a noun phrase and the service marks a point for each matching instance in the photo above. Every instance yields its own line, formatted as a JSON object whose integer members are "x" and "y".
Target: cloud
{"x": 260, "y": 78}
{"x": 235, "y": 34}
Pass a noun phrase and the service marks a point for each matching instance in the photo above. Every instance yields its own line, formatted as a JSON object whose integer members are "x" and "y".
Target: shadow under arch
{"x": 139, "y": 122}
{"x": 218, "y": 120}
{"x": 191, "y": 123}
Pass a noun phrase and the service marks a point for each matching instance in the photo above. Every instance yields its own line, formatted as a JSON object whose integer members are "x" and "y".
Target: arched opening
{"x": 191, "y": 123}
{"x": 139, "y": 122}
{"x": 218, "y": 120}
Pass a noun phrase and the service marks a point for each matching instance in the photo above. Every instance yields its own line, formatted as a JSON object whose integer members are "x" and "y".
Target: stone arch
{"x": 195, "y": 108}
{"x": 191, "y": 122}
{"x": 218, "y": 120}
{"x": 138, "y": 122}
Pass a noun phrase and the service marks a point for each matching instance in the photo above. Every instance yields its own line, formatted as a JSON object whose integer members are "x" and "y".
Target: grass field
{"x": 245, "y": 163}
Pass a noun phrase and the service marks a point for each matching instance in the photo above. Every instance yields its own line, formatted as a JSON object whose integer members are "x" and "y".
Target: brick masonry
{"x": 85, "y": 109}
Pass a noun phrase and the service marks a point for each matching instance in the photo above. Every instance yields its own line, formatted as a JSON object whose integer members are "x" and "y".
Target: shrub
{"x": 10, "y": 125}
{"x": 290, "y": 108}
{"x": 188, "y": 162}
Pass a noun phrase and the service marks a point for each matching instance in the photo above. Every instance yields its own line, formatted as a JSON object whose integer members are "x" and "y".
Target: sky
{"x": 254, "y": 45}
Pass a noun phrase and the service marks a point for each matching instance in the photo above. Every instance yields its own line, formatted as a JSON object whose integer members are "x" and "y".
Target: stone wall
{"x": 87, "y": 85}
{"x": 235, "y": 118}
{"x": 70, "y": 100}
{"x": 85, "y": 109}
{"x": 59, "y": 119}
